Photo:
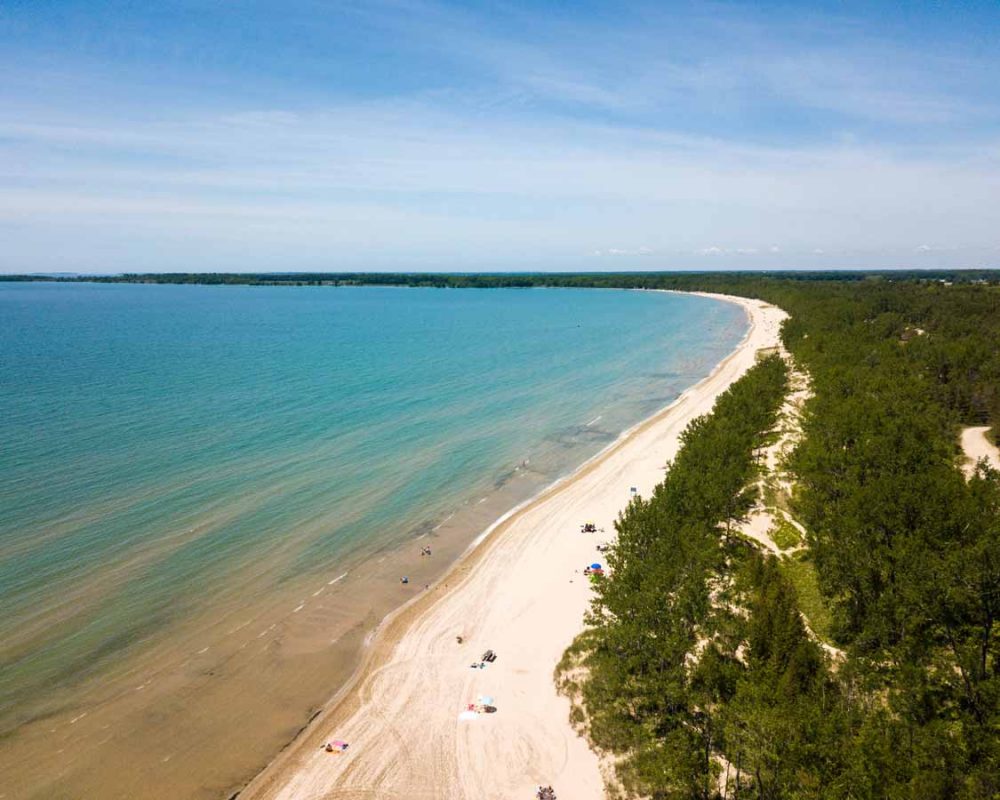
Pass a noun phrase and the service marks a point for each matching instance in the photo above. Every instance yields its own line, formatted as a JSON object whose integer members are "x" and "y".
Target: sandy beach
{"x": 521, "y": 593}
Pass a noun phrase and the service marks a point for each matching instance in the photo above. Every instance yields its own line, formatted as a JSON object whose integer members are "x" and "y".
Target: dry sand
{"x": 521, "y": 592}
{"x": 975, "y": 445}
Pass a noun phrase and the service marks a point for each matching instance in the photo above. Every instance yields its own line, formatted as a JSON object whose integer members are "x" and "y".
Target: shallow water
{"x": 207, "y": 494}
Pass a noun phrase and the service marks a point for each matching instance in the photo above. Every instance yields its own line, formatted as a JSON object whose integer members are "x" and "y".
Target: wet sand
{"x": 227, "y": 689}
{"x": 196, "y": 712}
{"x": 521, "y": 592}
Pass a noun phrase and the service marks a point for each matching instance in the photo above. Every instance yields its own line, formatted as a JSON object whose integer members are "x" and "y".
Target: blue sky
{"x": 318, "y": 135}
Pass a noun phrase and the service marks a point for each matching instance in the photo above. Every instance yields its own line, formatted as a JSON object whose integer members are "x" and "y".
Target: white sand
{"x": 975, "y": 445}
{"x": 520, "y": 593}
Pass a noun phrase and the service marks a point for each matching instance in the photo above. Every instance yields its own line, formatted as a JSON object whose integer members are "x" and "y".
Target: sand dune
{"x": 975, "y": 445}
{"x": 521, "y": 593}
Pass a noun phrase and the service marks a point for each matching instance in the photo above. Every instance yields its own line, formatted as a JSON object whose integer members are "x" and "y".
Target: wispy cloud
{"x": 715, "y": 250}
{"x": 688, "y": 66}
{"x": 351, "y": 174}
{"x": 744, "y": 137}
{"x": 625, "y": 251}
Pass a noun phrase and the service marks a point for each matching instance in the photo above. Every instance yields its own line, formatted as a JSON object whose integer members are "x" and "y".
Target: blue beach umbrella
{"x": 595, "y": 566}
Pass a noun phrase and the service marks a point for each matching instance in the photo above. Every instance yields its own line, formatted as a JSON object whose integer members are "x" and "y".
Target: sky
{"x": 264, "y": 135}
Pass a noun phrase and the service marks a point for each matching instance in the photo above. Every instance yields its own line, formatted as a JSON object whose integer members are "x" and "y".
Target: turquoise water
{"x": 158, "y": 441}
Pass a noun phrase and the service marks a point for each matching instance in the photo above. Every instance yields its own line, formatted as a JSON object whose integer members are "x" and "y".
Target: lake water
{"x": 207, "y": 494}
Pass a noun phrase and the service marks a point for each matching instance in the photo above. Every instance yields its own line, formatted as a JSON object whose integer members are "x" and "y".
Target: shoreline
{"x": 426, "y": 717}
{"x": 264, "y": 663}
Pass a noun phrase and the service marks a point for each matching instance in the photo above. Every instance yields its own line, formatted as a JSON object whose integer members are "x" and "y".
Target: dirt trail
{"x": 975, "y": 445}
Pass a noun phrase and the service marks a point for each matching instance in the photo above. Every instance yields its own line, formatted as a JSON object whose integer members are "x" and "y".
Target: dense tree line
{"x": 697, "y": 668}
{"x": 490, "y": 280}
{"x": 908, "y": 556}
{"x": 907, "y": 551}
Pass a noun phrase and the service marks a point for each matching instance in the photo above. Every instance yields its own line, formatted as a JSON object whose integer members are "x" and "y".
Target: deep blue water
{"x": 155, "y": 440}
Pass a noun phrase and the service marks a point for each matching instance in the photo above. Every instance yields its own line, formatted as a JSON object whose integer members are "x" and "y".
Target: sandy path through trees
{"x": 975, "y": 445}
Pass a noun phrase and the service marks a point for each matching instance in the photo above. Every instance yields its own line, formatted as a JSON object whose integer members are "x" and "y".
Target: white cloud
{"x": 715, "y": 250}
{"x": 656, "y": 60}
{"x": 404, "y": 183}
{"x": 641, "y": 126}
{"x": 619, "y": 251}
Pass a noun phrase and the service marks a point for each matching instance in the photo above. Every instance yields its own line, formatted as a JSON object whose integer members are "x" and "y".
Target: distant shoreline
{"x": 683, "y": 280}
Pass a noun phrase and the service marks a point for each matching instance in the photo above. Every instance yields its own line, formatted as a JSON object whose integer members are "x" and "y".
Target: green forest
{"x": 697, "y": 673}
{"x": 697, "y": 664}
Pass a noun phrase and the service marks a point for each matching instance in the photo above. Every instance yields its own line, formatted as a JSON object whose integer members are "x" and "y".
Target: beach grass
{"x": 801, "y": 571}
{"x": 784, "y": 534}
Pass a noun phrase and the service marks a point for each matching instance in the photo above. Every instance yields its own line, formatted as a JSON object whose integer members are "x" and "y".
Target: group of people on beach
{"x": 488, "y": 658}
{"x": 424, "y": 551}
{"x": 545, "y": 793}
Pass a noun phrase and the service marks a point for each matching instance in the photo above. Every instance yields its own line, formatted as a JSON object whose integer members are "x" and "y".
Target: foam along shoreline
{"x": 520, "y": 591}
